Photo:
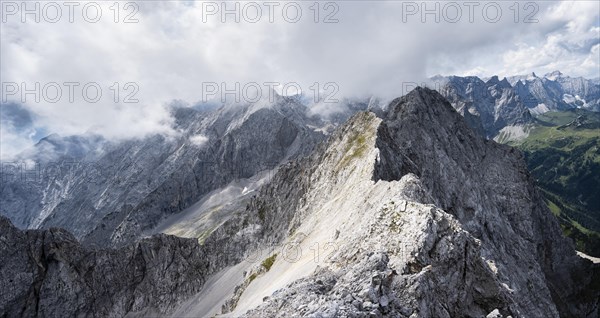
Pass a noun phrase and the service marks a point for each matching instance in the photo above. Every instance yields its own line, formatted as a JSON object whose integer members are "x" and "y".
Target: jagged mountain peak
{"x": 52, "y": 138}
{"x": 417, "y": 100}
{"x": 503, "y": 84}
{"x": 468, "y": 78}
{"x": 505, "y": 109}
{"x": 55, "y": 149}
{"x": 493, "y": 80}
{"x": 423, "y": 106}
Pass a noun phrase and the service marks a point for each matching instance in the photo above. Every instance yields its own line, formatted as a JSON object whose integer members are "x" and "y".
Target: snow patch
{"x": 595, "y": 260}
{"x": 574, "y": 100}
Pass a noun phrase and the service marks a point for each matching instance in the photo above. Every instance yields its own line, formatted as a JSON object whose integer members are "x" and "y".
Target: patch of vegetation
{"x": 395, "y": 226}
{"x": 356, "y": 144}
{"x": 355, "y": 148}
{"x": 586, "y": 240}
{"x": 268, "y": 262}
{"x": 396, "y": 221}
{"x": 563, "y": 154}
{"x": 202, "y": 236}
{"x": 553, "y": 208}
{"x": 566, "y": 117}
{"x": 251, "y": 278}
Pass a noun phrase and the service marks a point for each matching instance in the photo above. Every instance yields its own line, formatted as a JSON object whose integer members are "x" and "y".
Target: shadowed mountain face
{"x": 421, "y": 216}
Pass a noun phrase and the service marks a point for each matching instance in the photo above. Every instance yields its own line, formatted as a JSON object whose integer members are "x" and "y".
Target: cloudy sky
{"x": 177, "y": 50}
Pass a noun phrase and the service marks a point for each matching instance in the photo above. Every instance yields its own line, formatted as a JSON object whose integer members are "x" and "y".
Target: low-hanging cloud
{"x": 374, "y": 48}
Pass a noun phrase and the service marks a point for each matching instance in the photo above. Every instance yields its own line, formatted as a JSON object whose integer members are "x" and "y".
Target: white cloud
{"x": 571, "y": 47}
{"x": 198, "y": 140}
{"x": 171, "y": 52}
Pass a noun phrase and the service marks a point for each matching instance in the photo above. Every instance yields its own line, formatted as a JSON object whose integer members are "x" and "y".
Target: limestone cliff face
{"x": 406, "y": 215}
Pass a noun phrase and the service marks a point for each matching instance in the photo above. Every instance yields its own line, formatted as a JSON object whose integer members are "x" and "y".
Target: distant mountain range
{"x": 504, "y": 108}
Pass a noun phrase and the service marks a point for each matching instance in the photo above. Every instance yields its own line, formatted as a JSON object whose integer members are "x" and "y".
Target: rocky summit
{"x": 407, "y": 214}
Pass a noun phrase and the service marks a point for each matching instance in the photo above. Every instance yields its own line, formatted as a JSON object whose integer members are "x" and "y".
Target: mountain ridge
{"x": 415, "y": 204}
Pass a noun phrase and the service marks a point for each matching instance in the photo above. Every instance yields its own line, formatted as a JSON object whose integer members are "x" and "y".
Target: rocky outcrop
{"x": 47, "y": 273}
{"x": 420, "y": 264}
